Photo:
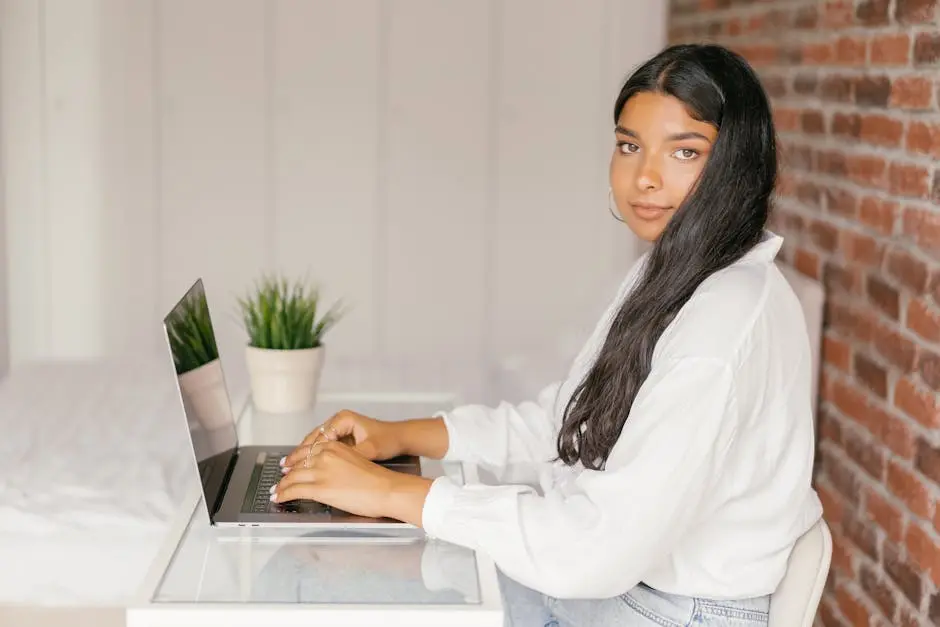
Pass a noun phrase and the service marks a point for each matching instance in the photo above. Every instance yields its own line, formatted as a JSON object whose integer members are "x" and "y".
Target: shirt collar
{"x": 767, "y": 248}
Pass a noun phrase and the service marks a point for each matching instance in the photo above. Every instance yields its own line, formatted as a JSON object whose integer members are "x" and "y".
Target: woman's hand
{"x": 335, "y": 474}
{"x": 371, "y": 438}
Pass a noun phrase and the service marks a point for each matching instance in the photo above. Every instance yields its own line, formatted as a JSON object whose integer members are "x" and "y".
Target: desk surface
{"x": 227, "y": 576}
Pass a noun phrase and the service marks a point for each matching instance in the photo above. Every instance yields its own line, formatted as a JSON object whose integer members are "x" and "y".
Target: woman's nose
{"x": 650, "y": 177}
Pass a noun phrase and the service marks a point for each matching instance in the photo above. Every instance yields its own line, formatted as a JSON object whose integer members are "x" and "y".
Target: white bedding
{"x": 92, "y": 465}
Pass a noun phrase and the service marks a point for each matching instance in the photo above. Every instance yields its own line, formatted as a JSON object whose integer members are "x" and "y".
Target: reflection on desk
{"x": 374, "y": 569}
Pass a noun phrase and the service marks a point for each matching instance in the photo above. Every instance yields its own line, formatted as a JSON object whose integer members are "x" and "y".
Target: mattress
{"x": 93, "y": 457}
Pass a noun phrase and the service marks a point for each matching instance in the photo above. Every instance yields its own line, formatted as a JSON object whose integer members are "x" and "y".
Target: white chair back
{"x": 812, "y": 297}
{"x": 796, "y": 599}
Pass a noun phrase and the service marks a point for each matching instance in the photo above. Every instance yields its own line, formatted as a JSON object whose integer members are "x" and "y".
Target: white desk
{"x": 209, "y": 576}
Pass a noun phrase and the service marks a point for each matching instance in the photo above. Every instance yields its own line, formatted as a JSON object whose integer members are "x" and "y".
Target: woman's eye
{"x": 627, "y": 148}
{"x": 686, "y": 154}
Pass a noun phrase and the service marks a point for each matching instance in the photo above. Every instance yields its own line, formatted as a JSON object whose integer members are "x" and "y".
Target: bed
{"x": 92, "y": 460}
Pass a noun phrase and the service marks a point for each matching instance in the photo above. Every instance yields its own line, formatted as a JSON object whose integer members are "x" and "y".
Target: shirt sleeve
{"x": 505, "y": 434}
{"x": 619, "y": 521}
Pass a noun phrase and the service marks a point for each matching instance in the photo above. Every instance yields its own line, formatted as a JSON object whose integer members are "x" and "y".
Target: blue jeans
{"x": 640, "y": 607}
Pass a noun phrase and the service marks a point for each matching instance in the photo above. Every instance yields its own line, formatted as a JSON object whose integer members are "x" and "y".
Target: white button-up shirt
{"x": 709, "y": 484}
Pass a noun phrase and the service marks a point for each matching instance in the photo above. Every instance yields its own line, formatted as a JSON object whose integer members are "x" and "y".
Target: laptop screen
{"x": 201, "y": 383}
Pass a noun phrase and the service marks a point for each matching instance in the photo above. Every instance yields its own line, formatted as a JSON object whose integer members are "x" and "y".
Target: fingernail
{"x": 273, "y": 488}
{"x": 283, "y": 459}
{"x": 274, "y": 498}
{"x": 285, "y": 470}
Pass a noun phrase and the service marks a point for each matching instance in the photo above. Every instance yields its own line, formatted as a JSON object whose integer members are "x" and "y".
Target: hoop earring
{"x": 610, "y": 208}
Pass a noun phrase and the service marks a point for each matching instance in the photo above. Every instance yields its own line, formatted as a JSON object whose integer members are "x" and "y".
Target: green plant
{"x": 283, "y": 316}
{"x": 190, "y": 334}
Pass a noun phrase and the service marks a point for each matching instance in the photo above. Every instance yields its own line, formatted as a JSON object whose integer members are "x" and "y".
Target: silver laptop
{"x": 236, "y": 480}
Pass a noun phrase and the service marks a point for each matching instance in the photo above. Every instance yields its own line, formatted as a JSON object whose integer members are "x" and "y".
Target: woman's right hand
{"x": 373, "y": 439}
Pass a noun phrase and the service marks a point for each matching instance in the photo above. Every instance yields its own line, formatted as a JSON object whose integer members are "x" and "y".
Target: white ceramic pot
{"x": 205, "y": 397}
{"x": 284, "y": 381}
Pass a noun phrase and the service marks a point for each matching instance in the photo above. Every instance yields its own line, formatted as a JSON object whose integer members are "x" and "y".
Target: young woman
{"x": 675, "y": 459}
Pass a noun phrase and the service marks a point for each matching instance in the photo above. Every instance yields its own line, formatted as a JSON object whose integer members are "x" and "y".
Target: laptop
{"x": 236, "y": 479}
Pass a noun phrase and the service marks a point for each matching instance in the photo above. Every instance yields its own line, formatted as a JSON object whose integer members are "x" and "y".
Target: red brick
{"x": 924, "y": 551}
{"x": 924, "y": 138}
{"x": 786, "y": 119}
{"x": 908, "y": 270}
{"x": 852, "y": 608}
{"x": 923, "y": 319}
{"x": 840, "y": 202}
{"x": 911, "y": 92}
{"x": 812, "y": 122}
{"x": 867, "y": 170}
{"x": 861, "y": 249}
{"x": 927, "y": 48}
{"x": 916, "y": 402}
{"x": 842, "y": 554}
{"x": 837, "y": 88}
{"x": 909, "y": 180}
{"x": 833, "y": 505}
{"x": 894, "y": 432}
{"x": 846, "y": 124}
{"x": 818, "y": 54}
{"x": 922, "y": 226}
{"x": 928, "y": 367}
{"x": 871, "y": 375}
{"x": 866, "y": 454}
{"x": 807, "y": 262}
{"x": 872, "y": 91}
{"x": 872, "y": 12}
{"x": 878, "y": 591}
{"x": 894, "y": 347}
{"x": 891, "y": 49}
{"x": 851, "y": 51}
{"x": 850, "y": 401}
{"x": 879, "y": 214}
{"x": 837, "y": 353}
{"x": 838, "y": 14}
{"x": 915, "y": 11}
{"x": 881, "y": 130}
{"x": 910, "y": 488}
{"x": 886, "y": 515}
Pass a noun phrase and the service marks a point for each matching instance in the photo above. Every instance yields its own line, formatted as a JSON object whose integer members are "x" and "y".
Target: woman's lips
{"x": 647, "y": 211}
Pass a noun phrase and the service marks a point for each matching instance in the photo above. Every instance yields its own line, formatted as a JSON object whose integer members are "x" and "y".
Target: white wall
{"x": 442, "y": 165}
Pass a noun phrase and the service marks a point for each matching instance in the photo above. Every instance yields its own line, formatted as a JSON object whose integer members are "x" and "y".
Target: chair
{"x": 796, "y": 599}
{"x": 812, "y": 297}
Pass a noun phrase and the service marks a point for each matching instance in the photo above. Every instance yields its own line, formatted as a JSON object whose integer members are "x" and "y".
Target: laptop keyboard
{"x": 270, "y": 474}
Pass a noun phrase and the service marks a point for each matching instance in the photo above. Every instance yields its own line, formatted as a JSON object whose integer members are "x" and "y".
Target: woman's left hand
{"x": 338, "y": 476}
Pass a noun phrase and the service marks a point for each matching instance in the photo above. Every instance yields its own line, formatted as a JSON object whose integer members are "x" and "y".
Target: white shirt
{"x": 706, "y": 490}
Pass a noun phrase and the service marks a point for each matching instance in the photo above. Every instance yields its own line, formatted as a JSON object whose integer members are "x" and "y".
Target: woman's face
{"x": 660, "y": 152}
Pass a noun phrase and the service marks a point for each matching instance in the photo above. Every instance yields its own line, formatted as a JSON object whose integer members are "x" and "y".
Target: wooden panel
{"x": 23, "y": 132}
{"x": 324, "y": 146}
{"x": 128, "y": 144}
{"x": 4, "y": 293}
{"x": 435, "y": 179}
{"x": 213, "y": 170}
{"x": 74, "y": 179}
{"x": 552, "y": 229}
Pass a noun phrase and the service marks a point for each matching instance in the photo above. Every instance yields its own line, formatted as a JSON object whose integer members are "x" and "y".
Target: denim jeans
{"x": 640, "y": 607}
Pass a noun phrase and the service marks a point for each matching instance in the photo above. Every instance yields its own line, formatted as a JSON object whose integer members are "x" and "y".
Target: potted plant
{"x": 196, "y": 358}
{"x": 285, "y": 351}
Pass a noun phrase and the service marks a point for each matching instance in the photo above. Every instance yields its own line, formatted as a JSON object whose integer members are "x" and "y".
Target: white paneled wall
{"x": 440, "y": 165}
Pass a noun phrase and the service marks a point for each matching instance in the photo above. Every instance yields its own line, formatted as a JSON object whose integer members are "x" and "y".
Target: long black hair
{"x": 719, "y": 221}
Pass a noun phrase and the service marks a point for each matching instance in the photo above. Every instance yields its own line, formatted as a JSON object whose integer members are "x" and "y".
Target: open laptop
{"x": 236, "y": 479}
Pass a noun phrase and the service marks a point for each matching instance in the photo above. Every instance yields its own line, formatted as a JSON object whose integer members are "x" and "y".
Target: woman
{"x": 675, "y": 459}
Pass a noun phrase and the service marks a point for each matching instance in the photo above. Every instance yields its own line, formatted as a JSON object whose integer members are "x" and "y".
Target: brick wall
{"x": 856, "y": 93}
